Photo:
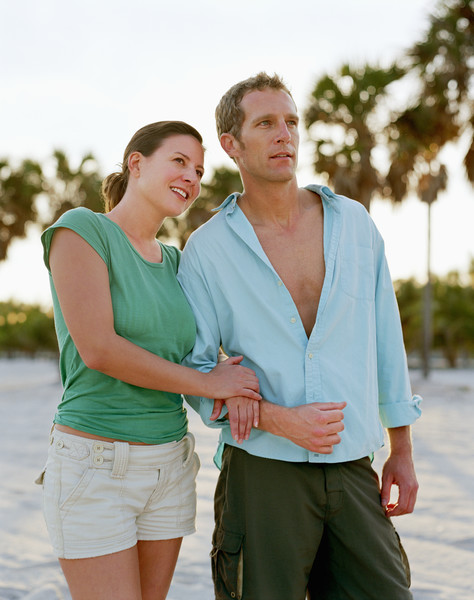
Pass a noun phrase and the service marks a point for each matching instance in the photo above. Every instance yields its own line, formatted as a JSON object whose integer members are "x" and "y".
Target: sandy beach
{"x": 438, "y": 536}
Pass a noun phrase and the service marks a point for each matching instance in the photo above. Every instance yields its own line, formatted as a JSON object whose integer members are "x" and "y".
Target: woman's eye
{"x": 180, "y": 160}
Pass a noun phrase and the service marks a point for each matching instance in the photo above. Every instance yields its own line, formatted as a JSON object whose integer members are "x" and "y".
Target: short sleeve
{"x": 85, "y": 223}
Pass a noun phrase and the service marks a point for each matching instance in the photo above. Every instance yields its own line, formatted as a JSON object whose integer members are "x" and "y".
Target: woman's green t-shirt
{"x": 151, "y": 311}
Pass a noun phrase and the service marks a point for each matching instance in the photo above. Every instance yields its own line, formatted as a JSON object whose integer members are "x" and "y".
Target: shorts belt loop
{"x": 189, "y": 438}
{"x": 121, "y": 450}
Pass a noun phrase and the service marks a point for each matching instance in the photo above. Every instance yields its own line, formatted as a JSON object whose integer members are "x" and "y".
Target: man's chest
{"x": 299, "y": 262}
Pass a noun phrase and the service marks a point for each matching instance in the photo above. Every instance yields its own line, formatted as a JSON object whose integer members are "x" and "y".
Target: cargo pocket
{"x": 227, "y": 564}
{"x": 405, "y": 563}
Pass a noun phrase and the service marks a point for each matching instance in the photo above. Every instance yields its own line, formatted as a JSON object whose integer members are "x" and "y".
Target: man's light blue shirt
{"x": 355, "y": 352}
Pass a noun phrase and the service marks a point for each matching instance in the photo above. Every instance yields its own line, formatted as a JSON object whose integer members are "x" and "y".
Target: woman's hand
{"x": 243, "y": 408}
{"x": 230, "y": 379}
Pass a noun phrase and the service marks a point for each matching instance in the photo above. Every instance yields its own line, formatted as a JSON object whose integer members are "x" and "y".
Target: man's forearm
{"x": 315, "y": 426}
{"x": 272, "y": 416}
{"x": 400, "y": 440}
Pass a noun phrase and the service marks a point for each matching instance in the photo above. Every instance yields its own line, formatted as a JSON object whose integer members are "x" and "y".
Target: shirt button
{"x": 280, "y": 282}
{"x": 293, "y": 320}
{"x": 98, "y": 459}
{"x": 310, "y": 355}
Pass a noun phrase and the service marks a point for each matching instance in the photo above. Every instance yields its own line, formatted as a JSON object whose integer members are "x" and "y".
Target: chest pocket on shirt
{"x": 357, "y": 272}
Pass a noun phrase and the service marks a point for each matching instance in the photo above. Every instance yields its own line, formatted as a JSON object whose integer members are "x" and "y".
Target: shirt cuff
{"x": 204, "y": 406}
{"x": 399, "y": 414}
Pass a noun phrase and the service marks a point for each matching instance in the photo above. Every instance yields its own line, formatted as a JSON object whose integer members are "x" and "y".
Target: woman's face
{"x": 170, "y": 178}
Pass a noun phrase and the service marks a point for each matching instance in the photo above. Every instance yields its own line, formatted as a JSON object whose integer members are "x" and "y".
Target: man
{"x": 295, "y": 280}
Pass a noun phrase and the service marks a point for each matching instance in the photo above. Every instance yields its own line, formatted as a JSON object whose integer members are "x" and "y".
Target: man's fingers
{"x": 332, "y": 405}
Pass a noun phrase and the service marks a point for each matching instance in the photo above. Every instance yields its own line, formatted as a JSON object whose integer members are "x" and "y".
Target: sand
{"x": 438, "y": 536}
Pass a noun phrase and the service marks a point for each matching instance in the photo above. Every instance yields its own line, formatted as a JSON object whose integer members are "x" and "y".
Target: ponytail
{"x": 113, "y": 189}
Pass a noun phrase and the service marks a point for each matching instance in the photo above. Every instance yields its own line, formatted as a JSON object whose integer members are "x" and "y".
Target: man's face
{"x": 267, "y": 148}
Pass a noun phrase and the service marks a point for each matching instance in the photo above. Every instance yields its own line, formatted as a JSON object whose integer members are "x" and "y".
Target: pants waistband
{"x": 120, "y": 456}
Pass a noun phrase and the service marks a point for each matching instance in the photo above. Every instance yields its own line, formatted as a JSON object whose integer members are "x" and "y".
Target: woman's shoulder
{"x": 78, "y": 216}
{"x": 171, "y": 253}
{"x": 83, "y": 221}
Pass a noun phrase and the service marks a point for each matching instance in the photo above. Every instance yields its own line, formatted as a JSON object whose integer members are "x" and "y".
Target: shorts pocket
{"x": 73, "y": 492}
{"x": 40, "y": 479}
{"x": 196, "y": 464}
{"x": 69, "y": 479}
{"x": 227, "y": 564}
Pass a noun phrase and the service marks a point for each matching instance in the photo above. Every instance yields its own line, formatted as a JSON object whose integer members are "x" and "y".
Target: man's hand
{"x": 399, "y": 470}
{"x": 243, "y": 414}
{"x": 315, "y": 426}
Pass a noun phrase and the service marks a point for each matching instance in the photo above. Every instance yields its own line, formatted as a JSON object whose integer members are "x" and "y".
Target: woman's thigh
{"x": 143, "y": 572}
{"x": 157, "y": 562}
{"x": 110, "y": 577}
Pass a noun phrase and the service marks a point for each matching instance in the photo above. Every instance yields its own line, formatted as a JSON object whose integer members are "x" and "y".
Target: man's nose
{"x": 284, "y": 134}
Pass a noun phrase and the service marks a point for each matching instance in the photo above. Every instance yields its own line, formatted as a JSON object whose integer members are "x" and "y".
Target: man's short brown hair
{"x": 229, "y": 115}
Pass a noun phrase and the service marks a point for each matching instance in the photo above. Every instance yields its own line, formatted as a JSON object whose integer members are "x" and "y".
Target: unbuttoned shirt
{"x": 355, "y": 352}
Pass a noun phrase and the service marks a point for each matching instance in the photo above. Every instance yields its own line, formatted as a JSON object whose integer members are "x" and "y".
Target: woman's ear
{"x": 134, "y": 163}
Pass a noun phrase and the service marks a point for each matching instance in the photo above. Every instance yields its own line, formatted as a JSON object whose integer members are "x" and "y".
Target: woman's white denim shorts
{"x": 101, "y": 497}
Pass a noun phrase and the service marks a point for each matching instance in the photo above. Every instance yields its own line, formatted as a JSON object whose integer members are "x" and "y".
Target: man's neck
{"x": 278, "y": 204}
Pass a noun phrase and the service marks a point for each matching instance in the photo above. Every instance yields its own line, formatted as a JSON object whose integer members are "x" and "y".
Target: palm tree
{"x": 70, "y": 187}
{"x": 345, "y": 122}
{"x": 19, "y": 188}
{"x": 442, "y": 112}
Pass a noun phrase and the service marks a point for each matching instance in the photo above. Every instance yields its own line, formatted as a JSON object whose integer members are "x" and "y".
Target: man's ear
{"x": 229, "y": 144}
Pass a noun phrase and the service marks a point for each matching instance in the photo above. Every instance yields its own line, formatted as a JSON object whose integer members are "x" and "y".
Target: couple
{"x": 295, "y": 281}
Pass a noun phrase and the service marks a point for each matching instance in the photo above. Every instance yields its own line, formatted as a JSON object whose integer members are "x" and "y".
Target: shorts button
{"x": 60, "y": 444}
{"x": 232, "y": 594}
{"x": 98, "y": 447}
{"x": 98, "y": 460}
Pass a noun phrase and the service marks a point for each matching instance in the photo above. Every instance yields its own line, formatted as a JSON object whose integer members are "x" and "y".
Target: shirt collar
{"x": 230, "y": 202}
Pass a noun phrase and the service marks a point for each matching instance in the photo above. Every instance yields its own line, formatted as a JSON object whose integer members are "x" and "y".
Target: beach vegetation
{"x": 26, "y": 330}
{"x": 452, "y": 316}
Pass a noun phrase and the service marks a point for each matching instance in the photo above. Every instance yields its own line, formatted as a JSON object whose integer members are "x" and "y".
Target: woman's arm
{"x": 82, "y": 284}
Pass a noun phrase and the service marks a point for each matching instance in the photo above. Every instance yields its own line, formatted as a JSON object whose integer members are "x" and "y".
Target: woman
{"x": 119, "y": 483}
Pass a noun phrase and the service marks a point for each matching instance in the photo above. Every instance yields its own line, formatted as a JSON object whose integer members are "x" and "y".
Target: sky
{"x": 83, "y": 76}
